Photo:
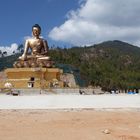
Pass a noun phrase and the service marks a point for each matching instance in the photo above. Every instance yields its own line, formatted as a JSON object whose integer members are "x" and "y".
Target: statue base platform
{"x": 34, "y": 77}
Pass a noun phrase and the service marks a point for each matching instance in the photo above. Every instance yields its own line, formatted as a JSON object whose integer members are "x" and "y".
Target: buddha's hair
{"x": 37, "y": 26}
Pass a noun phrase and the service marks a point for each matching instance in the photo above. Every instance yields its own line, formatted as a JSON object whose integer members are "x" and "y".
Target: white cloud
{"x": 100, "y": 20}
{"x": 9, "y": 49}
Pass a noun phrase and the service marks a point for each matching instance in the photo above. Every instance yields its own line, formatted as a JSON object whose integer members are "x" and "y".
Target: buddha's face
{"x": 36, "y": 32}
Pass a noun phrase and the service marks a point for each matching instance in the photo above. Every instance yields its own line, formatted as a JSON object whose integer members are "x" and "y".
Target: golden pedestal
{"x": 34, "y": 77}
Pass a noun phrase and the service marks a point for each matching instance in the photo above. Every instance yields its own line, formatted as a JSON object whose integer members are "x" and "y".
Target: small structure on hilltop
{"x": 34, "y": 70}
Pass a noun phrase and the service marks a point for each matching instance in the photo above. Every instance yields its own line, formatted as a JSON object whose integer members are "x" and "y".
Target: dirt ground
{"x": 69, "y": 125}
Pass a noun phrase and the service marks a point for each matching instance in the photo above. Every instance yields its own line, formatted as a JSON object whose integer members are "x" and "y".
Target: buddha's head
{"x": 36, "y": 30}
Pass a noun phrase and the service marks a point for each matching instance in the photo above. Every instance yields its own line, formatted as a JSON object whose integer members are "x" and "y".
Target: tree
{"x": 20, "y": 48}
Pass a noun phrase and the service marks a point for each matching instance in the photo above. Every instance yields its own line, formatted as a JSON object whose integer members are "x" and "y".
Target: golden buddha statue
{"x": 38, "y": 46}
{"x": 39, "y": 51}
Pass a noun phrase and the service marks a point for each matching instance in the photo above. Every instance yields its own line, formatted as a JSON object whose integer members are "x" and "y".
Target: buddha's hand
{"x": 23, "y": 57}
{"x": 44, "y": 53}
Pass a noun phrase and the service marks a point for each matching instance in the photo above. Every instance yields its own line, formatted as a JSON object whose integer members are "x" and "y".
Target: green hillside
{"x": 7, "y": 62}
{"x": 111, "y": 64}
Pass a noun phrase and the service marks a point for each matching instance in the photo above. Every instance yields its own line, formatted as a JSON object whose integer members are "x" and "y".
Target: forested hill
{"x": 111, "y": 64}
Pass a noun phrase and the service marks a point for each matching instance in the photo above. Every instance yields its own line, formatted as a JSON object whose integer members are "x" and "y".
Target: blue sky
{"x": 18, "y": 16}
{"x": 70, "y": 22}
